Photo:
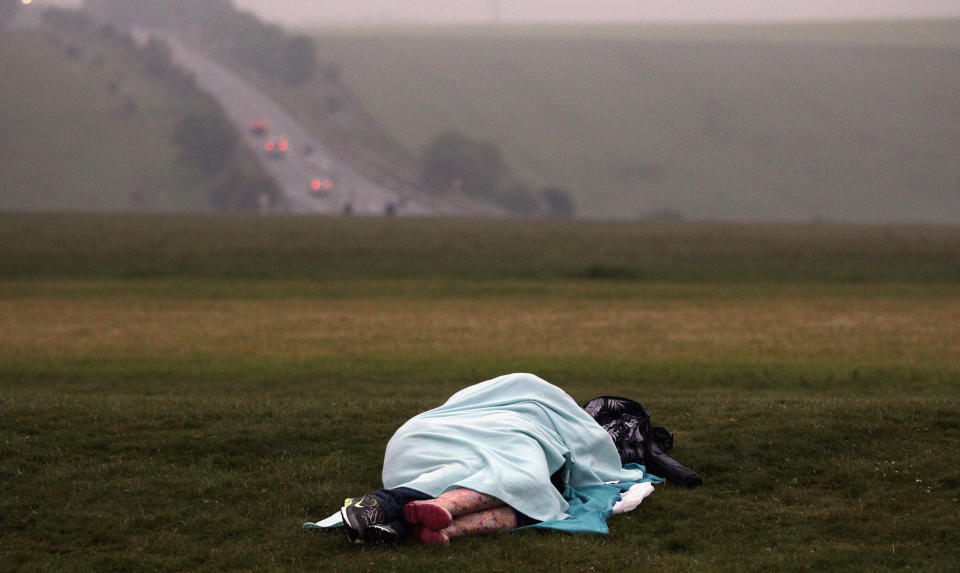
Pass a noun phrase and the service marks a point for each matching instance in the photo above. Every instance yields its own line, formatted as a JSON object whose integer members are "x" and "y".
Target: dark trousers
{"x": 393, "y": 500}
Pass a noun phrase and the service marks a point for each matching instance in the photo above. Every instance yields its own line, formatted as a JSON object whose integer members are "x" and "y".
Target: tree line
{"x": 455, "y": 162}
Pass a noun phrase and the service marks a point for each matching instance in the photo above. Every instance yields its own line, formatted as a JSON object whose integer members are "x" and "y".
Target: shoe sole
{"x": 379, "y": 534}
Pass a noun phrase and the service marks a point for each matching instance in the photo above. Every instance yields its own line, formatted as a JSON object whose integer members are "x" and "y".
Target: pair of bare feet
{"x": 456, "y": 513}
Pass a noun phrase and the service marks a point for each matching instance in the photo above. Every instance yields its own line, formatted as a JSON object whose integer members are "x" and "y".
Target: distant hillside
{"x": 848, "y": 122}
{"x": 81, "y": 134}
{"x": 89, "y": 121}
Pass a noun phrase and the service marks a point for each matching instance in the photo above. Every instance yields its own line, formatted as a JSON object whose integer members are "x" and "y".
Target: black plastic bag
{"x": 628, "y": 423}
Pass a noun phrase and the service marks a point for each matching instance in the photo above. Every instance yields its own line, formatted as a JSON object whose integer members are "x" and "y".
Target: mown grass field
{"x": 838, "y": 122}
{"x": 183, "y": 392}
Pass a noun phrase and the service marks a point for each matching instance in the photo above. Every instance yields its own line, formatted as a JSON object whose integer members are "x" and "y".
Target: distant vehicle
{"x": 276, "y": 148}
{"x": 259, "y": 126}
{"x": 321, "y": 185}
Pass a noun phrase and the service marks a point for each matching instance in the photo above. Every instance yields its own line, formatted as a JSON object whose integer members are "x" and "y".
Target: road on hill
{"x": 306, "y": 158}
{"x": 311, "y": 177}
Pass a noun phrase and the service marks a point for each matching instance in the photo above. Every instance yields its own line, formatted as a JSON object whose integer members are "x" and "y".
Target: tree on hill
{"x": 454, "y": 161}
{"x": 519, "y": 199}
{"x": 207, "y": 140}
{"x": 244, "y": 188}
{"x": 157, "y": 58}
{"x": 558, "y": 202}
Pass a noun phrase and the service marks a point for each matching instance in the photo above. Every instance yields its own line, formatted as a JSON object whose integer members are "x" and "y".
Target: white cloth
{"x": 630, "y": 499}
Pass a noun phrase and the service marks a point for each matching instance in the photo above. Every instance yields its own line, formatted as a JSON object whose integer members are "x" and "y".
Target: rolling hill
{"x": 81, "y": 132}
{"x": 844, "y": 122}
{"x": 93, "y": 121}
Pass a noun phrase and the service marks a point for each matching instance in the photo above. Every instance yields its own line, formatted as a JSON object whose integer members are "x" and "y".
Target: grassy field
{"x": 843, "y": 122}
{"x": 182, "y": 393}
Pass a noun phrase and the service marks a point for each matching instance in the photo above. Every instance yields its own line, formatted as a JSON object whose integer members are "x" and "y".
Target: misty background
{"x": 307, "y": 12}
{"x": 313, "y": 12}
{"x": 737, "y": 110}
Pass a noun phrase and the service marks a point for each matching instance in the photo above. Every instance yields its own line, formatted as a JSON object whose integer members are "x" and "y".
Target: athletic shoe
{"x": 360, "y": 513}
{"x": 381, "y": 534}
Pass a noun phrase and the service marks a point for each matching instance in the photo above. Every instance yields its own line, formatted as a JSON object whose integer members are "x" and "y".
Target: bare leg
{"x": 439, "y": 512}
{"x": 502, "y": 518}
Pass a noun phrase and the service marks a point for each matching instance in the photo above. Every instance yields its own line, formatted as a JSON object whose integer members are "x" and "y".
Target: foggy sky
{"x": 305, "y": 12}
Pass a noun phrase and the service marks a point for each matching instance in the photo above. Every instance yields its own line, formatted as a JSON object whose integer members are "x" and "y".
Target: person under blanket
{"x": 514, "y": 451}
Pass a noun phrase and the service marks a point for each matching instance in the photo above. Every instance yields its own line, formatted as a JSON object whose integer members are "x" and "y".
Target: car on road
{"x": 321, "y": 185}
{"x": 277, "y": 148}
{"x": 259, "y": 126}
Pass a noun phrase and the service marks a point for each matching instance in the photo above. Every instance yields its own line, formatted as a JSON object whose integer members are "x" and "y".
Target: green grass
{"x": 224, "y": 483}
{"x": 192, "y": 411}
{"x": 70, "y": 142}
{"x": 100, "y": 246}
{"x": 845, "y": 122}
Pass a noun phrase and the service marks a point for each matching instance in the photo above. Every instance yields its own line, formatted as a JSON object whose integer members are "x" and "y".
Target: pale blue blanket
{"x": 505, "y": 437}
